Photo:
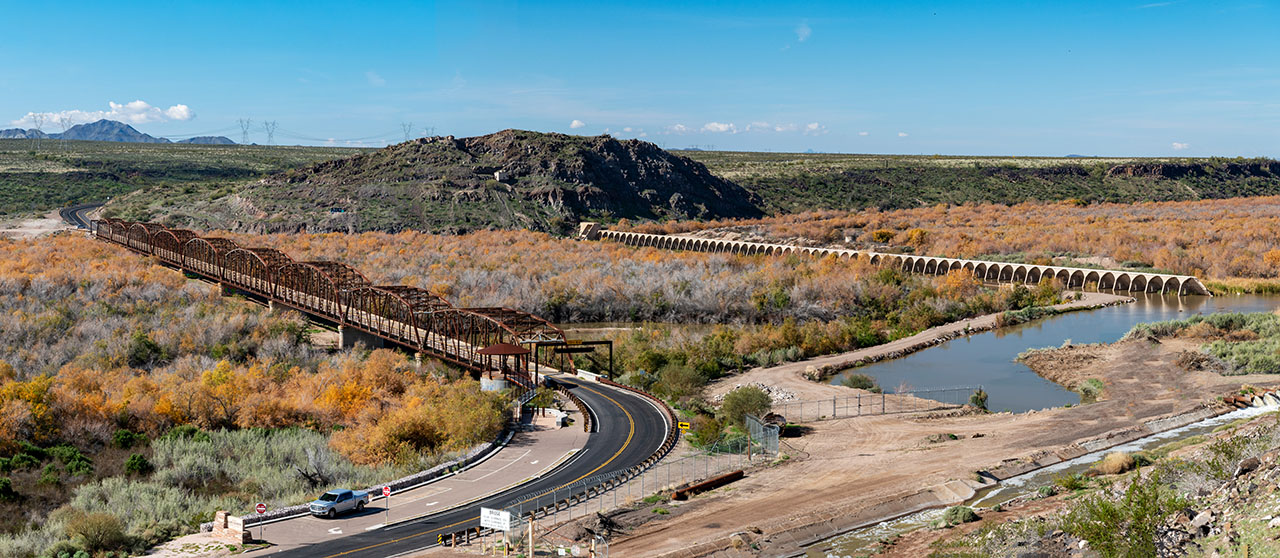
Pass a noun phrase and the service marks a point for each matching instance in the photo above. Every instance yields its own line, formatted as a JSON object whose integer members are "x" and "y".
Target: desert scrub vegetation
{"x": 1229, "y": 242}
{"x": 1248, "y": 343}
{"x": 39, "y": 181}
{"x": 119, "y": 378}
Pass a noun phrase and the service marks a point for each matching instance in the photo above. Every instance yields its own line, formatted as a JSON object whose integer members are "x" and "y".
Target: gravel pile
{"x": 775, "y": 393}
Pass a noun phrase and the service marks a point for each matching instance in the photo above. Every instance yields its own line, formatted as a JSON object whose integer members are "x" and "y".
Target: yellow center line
{"x": 441, "y": 530}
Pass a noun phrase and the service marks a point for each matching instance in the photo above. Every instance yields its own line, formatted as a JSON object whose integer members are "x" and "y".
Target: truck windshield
{"x": 329, "y": 497}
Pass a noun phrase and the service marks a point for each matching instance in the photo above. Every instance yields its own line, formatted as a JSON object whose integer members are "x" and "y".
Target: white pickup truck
{"x": 334, "y": 502}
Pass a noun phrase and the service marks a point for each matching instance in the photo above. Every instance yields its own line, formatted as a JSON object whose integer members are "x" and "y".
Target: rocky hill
{"x": 509, "y": 179}
{"x": 108, "y": 130}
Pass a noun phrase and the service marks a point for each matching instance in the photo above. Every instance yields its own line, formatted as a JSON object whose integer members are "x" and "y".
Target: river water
{"x": 987, "y": 359}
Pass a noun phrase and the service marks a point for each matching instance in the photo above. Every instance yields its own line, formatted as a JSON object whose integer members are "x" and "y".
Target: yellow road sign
{"x": 683, "y": 425}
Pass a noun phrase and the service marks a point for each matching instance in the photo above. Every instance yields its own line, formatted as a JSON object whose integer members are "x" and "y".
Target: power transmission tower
{"x": 65, "y": 123}
{"x": 38, "y": 120}
{"x": 245, "y": 123}
{"x": 270, "y": 128}
{"x": 408, "y": 130}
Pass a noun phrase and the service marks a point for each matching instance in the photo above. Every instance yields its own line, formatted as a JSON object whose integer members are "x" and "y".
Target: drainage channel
{"x": 863, "y": 540}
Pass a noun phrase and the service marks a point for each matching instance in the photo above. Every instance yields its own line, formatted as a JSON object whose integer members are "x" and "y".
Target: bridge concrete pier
{"x": 352, "y": 336}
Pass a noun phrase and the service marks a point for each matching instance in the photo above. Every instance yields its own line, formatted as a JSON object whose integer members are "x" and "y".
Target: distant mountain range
{"x": 108, "y": 130}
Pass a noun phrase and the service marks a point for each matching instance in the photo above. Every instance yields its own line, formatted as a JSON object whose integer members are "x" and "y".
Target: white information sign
{"x": 495, "y": 519}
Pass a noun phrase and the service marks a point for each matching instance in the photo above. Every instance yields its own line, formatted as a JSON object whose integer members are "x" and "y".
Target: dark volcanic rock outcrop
{"x": 512, "y": 178}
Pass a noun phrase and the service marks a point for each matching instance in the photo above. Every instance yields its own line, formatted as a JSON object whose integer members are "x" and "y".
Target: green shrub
{"x": 185, "y": 432}
{"x": 1124, "y": 527}
{"x": 33, "y": 450}
{"x": 742, "y": 401}
{"x": 23, "y": 461}
{"x": 858, "y": 381}
{"x": 1071, "y": 482}
{"x": 956, "y": 515}
{"x": 138, "y": 464}
{"x": 1090, "y": 390}
{"x": 978, "y": 399}
{"x": 7, "y": 493}
{"x": 75, "y": 462}
{"x": 127, "y": 439}
{"x": 144, "y": 352}
{"x": 50, "y": 475}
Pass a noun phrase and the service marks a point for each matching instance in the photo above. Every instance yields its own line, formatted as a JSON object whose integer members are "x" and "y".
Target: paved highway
{"x": 78, "y": 215}
{"x": 629, "y": 429}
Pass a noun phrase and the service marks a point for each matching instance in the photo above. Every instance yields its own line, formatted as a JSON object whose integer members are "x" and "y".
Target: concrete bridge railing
{"x": 999, "y": 272}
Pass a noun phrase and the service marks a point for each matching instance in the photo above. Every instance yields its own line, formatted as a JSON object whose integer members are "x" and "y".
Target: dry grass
{"x": 1115, "y": 463}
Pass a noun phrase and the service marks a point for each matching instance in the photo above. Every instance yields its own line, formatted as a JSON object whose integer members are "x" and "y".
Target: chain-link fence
{"x": 763, "y": 434}
{"x": 874, "y": 404}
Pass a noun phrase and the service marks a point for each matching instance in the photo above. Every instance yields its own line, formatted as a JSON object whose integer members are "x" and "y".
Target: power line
{"x": 244, "y": 130}
{"x": 270, "y": 128}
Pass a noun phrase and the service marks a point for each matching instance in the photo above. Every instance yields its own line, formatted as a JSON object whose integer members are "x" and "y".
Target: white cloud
{"x": 902, "y": 134}
{"x": 627, "y": 129}
{"x": 677, "y": 129}
{"x": 719, "y": 127}
{"x": 814, "y": 129}
{"x": 803, "y": 31}
{"x": 785, "y": 128}
{"x": 374, "y": 79}
{"x": 136, "y": 112}
{"x": 1178, "y": 146}
{"x": 643, "y": 134}
{"x": 758, "y": 126}
{"x": 577, "y": 124}
{"x": 864, "y": 133}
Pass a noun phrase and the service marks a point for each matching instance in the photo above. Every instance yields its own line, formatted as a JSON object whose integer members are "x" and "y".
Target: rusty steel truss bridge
{"x": 338, "y": 294}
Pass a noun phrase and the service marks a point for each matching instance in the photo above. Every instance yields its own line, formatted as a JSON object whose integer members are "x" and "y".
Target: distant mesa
{"x": 107, "y": 130}
{"x": 208, "y": 140}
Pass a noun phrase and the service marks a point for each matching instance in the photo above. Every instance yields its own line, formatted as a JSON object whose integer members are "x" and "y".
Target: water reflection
{"x": 986, "y": 359}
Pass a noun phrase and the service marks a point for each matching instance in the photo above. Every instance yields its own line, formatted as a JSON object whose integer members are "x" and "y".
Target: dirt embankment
{"x": 850, "y": 472}
{"x": 30, "y": 228}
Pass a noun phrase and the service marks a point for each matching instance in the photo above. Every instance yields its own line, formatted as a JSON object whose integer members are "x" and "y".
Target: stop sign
{"x": 260, "y": 508}
{"x": 386, "y": 491}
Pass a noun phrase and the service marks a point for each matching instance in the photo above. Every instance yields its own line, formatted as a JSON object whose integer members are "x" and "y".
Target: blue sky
{"x": 988, "y": 78}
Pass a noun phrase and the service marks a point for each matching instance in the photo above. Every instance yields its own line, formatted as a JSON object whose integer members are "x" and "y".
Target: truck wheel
{"x": 360, "y": 506}
{"x": 332, "y": 513}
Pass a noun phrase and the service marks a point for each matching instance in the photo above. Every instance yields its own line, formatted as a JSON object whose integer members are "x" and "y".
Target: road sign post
{"x": 498, "y": 520}
{"x": 386, "y": 494}
{"x": 261, "y": 508}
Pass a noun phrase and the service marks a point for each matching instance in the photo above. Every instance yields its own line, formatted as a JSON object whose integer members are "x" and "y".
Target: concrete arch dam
{"x": 998, "y": 272}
